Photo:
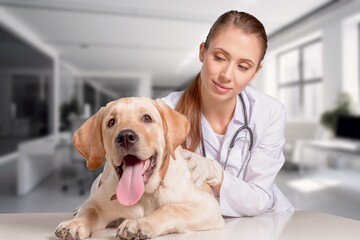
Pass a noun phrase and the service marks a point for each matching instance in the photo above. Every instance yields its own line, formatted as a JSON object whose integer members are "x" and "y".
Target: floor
{"x": 332, "y": 191}
{"x": 49, "y": 196}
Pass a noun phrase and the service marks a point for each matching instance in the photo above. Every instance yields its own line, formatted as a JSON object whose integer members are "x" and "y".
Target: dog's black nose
{"x": 127, "y": 138}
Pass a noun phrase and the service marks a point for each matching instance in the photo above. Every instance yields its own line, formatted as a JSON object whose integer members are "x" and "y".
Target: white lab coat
{"x": 254, "y": 191}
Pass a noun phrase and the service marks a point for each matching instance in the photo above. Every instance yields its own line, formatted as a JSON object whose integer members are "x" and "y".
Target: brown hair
{"x": 190, "y": 102}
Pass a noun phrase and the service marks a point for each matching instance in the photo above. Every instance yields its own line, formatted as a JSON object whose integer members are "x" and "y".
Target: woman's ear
{"x": 202, "y": 52}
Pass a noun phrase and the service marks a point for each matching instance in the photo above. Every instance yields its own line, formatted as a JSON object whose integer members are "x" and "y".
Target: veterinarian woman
{"x": 237, "y": 133}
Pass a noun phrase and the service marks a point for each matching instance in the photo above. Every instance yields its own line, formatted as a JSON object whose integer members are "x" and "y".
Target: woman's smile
{"x": 221, "y": 88}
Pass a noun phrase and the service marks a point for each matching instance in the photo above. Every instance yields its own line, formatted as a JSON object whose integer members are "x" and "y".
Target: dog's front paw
{"x": 136, "y": 229}
{"x": 75, "y": 229}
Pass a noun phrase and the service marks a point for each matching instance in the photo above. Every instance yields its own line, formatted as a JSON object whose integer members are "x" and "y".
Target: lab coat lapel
{"x": 250, "y": 102}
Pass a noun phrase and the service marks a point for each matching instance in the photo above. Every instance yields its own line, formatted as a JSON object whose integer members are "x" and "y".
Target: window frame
{"x": 301, "y": 83}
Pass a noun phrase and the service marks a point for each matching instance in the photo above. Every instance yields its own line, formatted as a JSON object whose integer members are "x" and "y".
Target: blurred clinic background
{"x": 61, "y": 60}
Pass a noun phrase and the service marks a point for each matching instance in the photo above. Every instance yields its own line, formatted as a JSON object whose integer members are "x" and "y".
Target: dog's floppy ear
{"x": 88, "y": 140}
{"x": 176, "y": 126}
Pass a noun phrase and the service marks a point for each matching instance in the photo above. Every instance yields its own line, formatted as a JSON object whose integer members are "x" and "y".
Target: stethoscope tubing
{"x": 245, "y": 127}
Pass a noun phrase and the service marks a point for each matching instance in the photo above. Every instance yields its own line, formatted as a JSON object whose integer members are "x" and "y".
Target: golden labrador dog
{"x": 145, "y": 180}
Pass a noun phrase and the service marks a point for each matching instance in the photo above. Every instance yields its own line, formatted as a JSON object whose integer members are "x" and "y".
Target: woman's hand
{"x": 203, "y": 170}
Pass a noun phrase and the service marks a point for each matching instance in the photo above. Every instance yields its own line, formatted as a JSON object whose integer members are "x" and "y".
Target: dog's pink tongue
{"x": 131, "y": 185}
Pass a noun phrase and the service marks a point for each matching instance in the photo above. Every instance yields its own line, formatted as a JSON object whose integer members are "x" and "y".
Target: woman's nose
{"x": 227, "y": 73}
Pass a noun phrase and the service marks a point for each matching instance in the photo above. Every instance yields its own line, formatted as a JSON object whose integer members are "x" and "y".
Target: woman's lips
{"x": 221, "y": 88}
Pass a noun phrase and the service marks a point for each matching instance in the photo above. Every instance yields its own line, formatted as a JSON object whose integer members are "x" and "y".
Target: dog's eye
{"x": 147, "y": 118}
{"x": 111, "y": 122}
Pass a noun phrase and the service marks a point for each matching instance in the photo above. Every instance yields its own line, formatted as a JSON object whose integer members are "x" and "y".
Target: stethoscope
{"x": 245, "y": 127}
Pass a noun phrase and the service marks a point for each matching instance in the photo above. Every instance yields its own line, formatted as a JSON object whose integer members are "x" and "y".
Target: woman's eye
{"x": 242, "y": 67}
{"x": 218, "y": 58}
{"x": 147, "y": 118}
{"x": 111, "y": 122}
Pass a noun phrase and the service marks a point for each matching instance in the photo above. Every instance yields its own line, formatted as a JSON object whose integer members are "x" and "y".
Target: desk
{"x": 336, "y": 148}
{"x": 280, "y": 226}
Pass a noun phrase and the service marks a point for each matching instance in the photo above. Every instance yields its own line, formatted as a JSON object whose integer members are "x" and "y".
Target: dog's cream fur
{"x": 171, "y": 202}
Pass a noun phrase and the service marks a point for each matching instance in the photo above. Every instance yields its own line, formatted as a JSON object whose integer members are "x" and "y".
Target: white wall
{"x": 350, "y": 56}
{"x": 341, "y": 61}
{"x": 145, "y": 86}
{"x": 67, "y": 76}
{"x": 142, "y": 82}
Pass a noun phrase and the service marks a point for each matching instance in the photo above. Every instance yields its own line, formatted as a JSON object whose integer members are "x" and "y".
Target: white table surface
{"x": 279, "y": 226}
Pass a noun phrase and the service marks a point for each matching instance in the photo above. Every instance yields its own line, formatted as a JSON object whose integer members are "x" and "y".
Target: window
{"x": 30, "y": 104}
{"x": 300, "y": 80}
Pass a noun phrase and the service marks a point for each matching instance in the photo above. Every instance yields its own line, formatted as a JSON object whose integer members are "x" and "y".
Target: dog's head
{"x": 136, "y": 135}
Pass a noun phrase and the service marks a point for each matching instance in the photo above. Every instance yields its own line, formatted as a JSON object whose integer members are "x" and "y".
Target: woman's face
{"x": 231, "y": 60}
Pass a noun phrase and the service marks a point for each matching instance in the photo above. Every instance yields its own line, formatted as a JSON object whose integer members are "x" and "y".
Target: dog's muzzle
{"x": 127, "y": 138}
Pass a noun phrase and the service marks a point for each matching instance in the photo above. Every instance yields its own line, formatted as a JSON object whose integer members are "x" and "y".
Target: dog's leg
{"x": 94, "y": 214}
{"x": 81, "y": 227}
{"x": 172, "y": 218}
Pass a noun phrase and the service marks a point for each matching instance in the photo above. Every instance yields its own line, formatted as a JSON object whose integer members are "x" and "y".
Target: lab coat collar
{"x": 238, "y": 118}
